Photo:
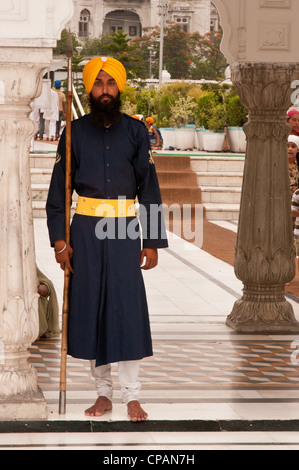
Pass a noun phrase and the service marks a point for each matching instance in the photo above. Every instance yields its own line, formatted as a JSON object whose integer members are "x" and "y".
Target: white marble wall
{"x": 259, "y": 30}
{"x": 148, "y": 11}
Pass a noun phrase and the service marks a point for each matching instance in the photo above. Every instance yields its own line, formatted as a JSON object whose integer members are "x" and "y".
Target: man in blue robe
{"x": 112, "y": 165}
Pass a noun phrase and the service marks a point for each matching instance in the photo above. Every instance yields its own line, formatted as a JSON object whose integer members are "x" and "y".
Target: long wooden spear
{"x": 68, "y": 202}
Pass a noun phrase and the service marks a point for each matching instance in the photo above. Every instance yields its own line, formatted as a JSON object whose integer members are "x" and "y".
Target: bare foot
{"x": 101, "y": 406}
{"x": 135, "y": 411}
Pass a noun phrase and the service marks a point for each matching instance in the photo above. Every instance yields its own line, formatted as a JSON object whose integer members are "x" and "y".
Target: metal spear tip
{"x": 69, "y": 51}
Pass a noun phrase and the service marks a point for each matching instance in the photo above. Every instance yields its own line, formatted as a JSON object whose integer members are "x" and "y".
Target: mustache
{"x": 105, "y": 95}
{"x": 96, "y": 102}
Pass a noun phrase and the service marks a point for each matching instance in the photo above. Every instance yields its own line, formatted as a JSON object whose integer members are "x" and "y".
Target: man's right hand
{"x": 64, "y": 258}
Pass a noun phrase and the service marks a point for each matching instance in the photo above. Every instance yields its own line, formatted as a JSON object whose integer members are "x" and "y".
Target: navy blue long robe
{"x": 108, "y": 318}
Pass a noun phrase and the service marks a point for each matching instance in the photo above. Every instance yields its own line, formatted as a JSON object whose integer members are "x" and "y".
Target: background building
{"x": 95, "y": 17}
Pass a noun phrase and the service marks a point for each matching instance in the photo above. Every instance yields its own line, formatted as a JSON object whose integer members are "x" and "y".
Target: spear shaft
{"x": 68, "y": 202}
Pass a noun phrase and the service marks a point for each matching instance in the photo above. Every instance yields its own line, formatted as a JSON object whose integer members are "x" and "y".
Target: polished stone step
{"x": 217, "y": 164}
{"x": 222, "y": 212}
{"x": 231, "y": 179}
{"x": 221, "y": 195}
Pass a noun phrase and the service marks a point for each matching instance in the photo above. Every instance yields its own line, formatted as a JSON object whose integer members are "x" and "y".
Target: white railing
{"x": 80, "y": 107}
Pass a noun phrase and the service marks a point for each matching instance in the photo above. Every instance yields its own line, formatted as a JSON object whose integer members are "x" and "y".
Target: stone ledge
{"x": 23, "y": 407}
{"x": 149, "y": 426}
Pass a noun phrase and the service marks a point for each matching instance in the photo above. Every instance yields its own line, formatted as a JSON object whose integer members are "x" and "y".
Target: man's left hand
{"x": 149, "y": 258}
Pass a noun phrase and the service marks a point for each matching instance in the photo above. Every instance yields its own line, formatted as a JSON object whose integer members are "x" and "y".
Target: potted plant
{"x": 236, "y": 118}
{"x": 212, "y": 117}
{"x": 182, "y": 119}
{"x": 213, "y": 141}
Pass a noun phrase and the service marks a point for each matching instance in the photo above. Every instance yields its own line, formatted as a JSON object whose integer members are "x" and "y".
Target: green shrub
{"x": 182, "y": 111}
{"x": 216, "y": 120}
{"x": 205, "y": 106}
{"x": 210, "y": 105}
{"x": 236, "y": 113}
{"x": 146, "y": 102}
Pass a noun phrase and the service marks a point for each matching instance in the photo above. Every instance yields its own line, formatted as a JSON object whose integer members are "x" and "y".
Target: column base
{"x": 263, "y": 318}
{"x": 19, "y": 407}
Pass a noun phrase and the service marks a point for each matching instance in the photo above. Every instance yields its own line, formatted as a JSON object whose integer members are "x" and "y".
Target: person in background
{"x": 51, "y": 116}
{"x": 154, "y": 134}
{"x": 295, "y": 215}
{"x": 48, "y": 308}
{"x": 62, "y": 106}
{"x": 293, "y": 158}
{"x": 293, "y": 120}
{"x": 41, "y": 130}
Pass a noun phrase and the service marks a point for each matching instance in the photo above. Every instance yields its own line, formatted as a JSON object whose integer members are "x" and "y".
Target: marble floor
{"x": 205, "y": 388}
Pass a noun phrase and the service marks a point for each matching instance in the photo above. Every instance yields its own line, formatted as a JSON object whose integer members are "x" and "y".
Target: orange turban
{"x": 150, "y": 120}
{"x": 112, "y": 66}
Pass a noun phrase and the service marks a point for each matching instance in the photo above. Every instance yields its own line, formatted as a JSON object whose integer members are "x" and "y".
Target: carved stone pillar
{"x": 265, "y": 258}
{"x": 21, "y": 78}
{"x": 28, "y": 32}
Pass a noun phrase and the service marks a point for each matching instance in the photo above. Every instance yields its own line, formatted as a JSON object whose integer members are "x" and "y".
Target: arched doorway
{"x": 123, "y": 20}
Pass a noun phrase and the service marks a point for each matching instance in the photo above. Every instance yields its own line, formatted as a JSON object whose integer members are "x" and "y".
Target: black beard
{"x": 105, "y": 113}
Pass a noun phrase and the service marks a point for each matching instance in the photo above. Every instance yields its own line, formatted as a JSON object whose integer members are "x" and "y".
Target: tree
{"x": 122, "y": 48}
{"x": 208, "y": 61}
{"x": 185, "y": 55}
{"x": 147, "y": 48}
{"x": 96, "y": 46}
{"x": 61, "y": 46}
{"x": 177, "y": 51}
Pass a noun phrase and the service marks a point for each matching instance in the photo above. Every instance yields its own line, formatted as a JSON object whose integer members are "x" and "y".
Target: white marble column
{"x": 260, "y": 44}
{"x": 265, "y": 257}
{"x": 28, "y": 32}
{"x": 20, "y": 77}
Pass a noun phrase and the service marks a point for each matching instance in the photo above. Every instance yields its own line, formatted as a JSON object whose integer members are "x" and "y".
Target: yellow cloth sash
{"x": 106, "y": 207}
